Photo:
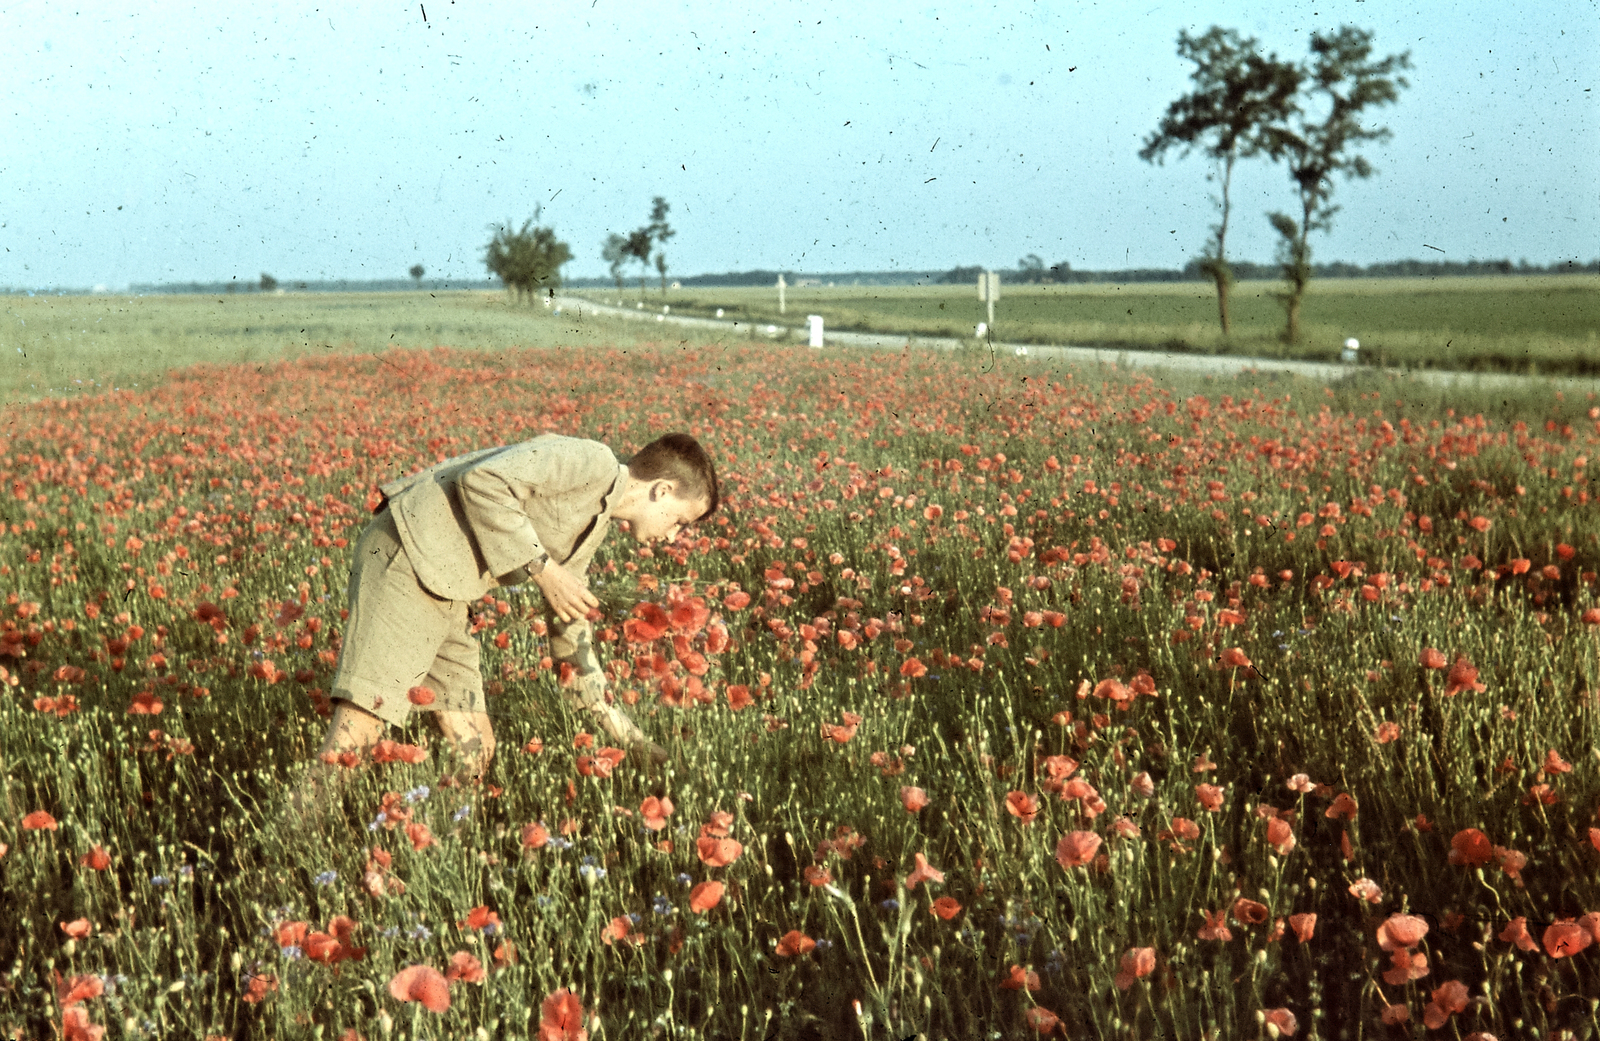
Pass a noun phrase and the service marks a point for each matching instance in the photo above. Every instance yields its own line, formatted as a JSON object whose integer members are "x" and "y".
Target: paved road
{"x": 1203, "y": 363}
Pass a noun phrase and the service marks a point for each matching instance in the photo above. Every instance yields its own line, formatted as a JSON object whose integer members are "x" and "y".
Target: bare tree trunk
{"x": 1222, "y": 272}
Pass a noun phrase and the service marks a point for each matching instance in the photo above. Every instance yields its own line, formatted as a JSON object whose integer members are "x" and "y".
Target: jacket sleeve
{"x": 493, "y": 490}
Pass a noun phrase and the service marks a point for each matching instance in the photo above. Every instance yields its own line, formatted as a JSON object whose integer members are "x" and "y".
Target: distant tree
{"x": 962, "y": 275}
{"x": 268, "y": 283}
{"x": 526, "y": 259}
{"x": 417, "y": 273}
{"x": 660, "y": 232}
{"x": 1030, "y": 268}
{"x": 1344, "y": 81}
{"x": 615, "y": 254}
{"x": 1237, "y": 95}
{"x": 637, "y": 246}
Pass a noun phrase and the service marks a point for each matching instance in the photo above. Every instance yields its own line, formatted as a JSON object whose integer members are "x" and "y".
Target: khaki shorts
{"x": 400, "y": 636}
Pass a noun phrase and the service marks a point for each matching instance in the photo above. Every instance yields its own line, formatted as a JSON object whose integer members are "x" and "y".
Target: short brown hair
{"x": 680, "y": 459}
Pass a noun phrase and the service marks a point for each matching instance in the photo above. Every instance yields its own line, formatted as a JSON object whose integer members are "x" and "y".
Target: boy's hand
{"x": 564, "y": 593}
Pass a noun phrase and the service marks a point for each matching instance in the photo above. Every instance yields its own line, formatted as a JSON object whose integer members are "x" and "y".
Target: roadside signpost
{"x": 989, "y": 291}
{"x": 780, "y": 294}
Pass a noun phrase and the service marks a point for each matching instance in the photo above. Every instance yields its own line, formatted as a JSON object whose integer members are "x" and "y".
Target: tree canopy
{"x": 526, "y": 259}
{"x": 1238, "y": 94}
{"x": 1320, "y": 138}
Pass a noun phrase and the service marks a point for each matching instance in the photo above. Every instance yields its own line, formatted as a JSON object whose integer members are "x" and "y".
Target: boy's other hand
{"x": 564, "y": 593}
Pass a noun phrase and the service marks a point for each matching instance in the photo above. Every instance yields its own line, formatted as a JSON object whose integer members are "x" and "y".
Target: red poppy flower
{"x": 257, "y": 988}
{"x": 1209, "y": 796}
{"x": 945, "y": 907}
{"x": 77, "y": 929}
{"x": 913, "y": 798}
{"x": 561, "y": 1018}
{"x": 1137, "y": 962}
{"x": 479, "y": 917}
{"x": 1366, "y": 889}
{"x": 923, "y": 872}
{"x": 1463, "y": 676}
{"x": 795, "y": 943}
{"x": 1342, "y": 808}
{"x": 1216, "y": 927}
{"x": 736, "y": 601}
{"x": 616, "y": 929}
{"x": 1077, "y": 848}
{"x": 705, "y": 896}
{"x": 1280, "y": 835}
{"x": 1471, "y": 848}
{"x": 534, "y": 836}
{"x": 1564, "y": 938}
{"x": 649, "y": 623}
{"x": 1449, "y": 998}
{"x": 1016, "y": 979}
{"x": 1283, "y": 1019}
{"x": 1249, "y": 912}
{"x": 1042, "y": 1019}
{"x": 1304, "y": 926}
{"x": 718, "y": 852}
{"x": 818, "y": 875}
{"x": 913, "y": 668}
{"x": 78, "y": 988}
{"x": 1022, "y": 806}
{"x": 1234, "y": 658}
{"x": 1516, "y": 931}
{"x": 655, "y": 812}
{"x": 739, "y": 697}
{"x": 75, "y": 1025}
{"x": 421, "y": 983}
{"x": 1401, "y": 931}
{"x": 464, "y": 967}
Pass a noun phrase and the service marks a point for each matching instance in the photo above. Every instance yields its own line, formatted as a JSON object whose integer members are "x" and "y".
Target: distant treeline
{"x": 1033, "y": 274}
{"x": 1243, "y": 269}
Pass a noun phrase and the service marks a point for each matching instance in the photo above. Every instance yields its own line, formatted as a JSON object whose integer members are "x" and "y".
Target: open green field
{"x": 1515, "y": 324}
{"x": 89, "y": 344}
{"x": 1004, "y": 697}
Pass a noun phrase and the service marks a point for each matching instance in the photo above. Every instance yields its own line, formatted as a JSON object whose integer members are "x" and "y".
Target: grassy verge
{"x": 1513, "y": 324}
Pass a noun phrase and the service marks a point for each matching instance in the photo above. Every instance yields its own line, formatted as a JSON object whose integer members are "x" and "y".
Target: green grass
{"x": 1516, "y": 323}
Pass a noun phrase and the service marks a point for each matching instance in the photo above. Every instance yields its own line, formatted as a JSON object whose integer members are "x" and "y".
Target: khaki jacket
{"x": 480, "y": 520}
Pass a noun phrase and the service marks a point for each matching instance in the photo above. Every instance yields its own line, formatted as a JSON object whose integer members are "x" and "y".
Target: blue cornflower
{"x": 588, "y": 860}
{"x": 544, "y": 901}
{"x": 160, "y": 880}
{"x": 327, "y": 878}
{"x": 421, "y": 932}
{"x": 684, "y": 880}
{"x": 823, "y": 945}
{"x": 663, "y": 906}
{"x": 391, "y": 932}
{"x": 462, "y": 814}
{"x": 890, "y": 904}
{"x": 186, "y": 870}
{"x": 417, "y": 794}
{"x": 292, "y": 954}
{"x": 592, "y": 873}
{"x": 633, "y": 916}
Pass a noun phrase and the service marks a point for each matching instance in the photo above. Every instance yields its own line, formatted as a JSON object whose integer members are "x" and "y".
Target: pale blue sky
{"x": 162, "y": 141}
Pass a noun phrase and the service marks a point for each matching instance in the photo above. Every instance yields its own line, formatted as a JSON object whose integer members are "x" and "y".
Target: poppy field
{"x": 1003, "y": 700}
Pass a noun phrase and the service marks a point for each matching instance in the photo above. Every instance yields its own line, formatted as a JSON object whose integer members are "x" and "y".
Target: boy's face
{"x": 662, "y": 514}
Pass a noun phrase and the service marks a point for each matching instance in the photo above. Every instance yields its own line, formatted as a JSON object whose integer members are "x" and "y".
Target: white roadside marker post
{"x": 989, "y": 290}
